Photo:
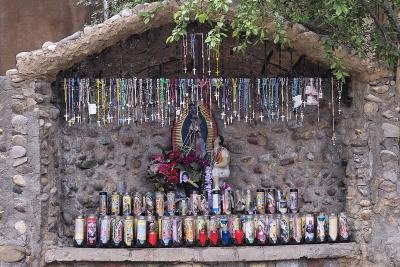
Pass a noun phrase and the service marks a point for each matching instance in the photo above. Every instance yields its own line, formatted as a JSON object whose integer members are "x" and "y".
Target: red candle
{"x": 203, "y": 238}
{"x": 214, "y": 238}
{"x": 238, "y": 237}
{"x": 153, "y": 239}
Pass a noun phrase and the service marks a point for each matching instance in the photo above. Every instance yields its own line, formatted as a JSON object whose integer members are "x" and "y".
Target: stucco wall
{"x": 26, "y": 24}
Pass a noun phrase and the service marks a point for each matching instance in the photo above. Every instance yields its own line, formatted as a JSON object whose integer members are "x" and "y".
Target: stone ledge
{"x": 219, "y": 254}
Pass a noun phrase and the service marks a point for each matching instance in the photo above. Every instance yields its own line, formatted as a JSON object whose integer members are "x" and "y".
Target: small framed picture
{"x": 183, "y": 177}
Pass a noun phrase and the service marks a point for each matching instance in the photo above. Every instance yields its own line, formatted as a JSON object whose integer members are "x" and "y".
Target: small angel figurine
{"x": 221, "y": 162}
{"x": 311, "y": 93}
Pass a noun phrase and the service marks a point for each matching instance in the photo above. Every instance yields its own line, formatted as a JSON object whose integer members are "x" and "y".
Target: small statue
{"x": 221, "y": 162}
{"x": 311, "y": 93}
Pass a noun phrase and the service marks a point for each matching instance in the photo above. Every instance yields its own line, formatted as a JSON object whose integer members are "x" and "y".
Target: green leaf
{"x": 202, "y": 17}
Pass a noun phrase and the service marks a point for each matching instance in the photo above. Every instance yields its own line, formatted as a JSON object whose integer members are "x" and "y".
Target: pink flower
{"x": 158, "y": 158}
{"x": 154, "y": 168}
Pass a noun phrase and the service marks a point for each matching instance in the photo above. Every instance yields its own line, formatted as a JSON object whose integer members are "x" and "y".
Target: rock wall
{"x": 20, "y": 195}
{"x": 49, "y": 171}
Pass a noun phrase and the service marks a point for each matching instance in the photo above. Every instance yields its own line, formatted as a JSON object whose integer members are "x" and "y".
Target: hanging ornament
{"x": 282, "y": 82}
{"x": 184, "y": 45}
{"x": 193, "y": 50}
{"x": 217, "y": 60}
{"x": 340, "y": 90}
{"x": 209, "y": 59}
{"x": 333, "y": 112}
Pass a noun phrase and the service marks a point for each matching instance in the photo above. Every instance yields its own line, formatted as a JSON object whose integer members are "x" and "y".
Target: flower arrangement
{"x": 177, "y": 168}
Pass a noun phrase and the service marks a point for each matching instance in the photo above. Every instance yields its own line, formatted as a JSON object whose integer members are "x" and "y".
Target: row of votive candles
{"x": 215, "y": 230}
{"x": 219, "y": 202}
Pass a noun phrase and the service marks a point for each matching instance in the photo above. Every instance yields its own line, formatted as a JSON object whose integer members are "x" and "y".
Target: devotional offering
{"x": 161, "y": 220}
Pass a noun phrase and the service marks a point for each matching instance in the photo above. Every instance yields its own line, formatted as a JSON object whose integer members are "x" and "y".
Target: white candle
{"x": 333, "y": 227}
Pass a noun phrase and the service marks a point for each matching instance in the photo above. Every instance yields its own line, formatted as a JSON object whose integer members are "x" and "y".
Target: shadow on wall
{"x": 26, "y": 25}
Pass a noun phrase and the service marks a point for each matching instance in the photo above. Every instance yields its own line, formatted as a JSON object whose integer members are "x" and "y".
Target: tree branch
{"x": 387, "y": 7}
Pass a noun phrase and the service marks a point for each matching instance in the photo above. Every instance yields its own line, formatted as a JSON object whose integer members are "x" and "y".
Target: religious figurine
{"x": 221, "y": 162}
{"x": 192, "y": 130}
{"x": 311, "y": 93}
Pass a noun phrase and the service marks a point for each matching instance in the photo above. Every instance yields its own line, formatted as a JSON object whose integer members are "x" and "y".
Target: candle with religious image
{"x": 224, "y": 232}
{"x": 261, "y": 229}
{"x": 260, "y": 201}
{"x": 141, "y": 231}
{"x": 343, "y": 227}
{"x": 166, "y": 230}
{"x": 309, "y": 228}
{"x": 284, "y": 235}
{"x": 295, "y": 228}
{"x": 273, "y": 229}
{"x": 160, "y": 204}
{"x": 152, "y": 230}
{"x": 171, "y": 203}
{"x": 216, "y": 203}
{"x": 321, "y": 228}
{"x": 271, "y": 201}
{"x": 177, "y": 231}
{"x": 249, "y": 230}
{"x": 293, "y": 200}
{"x": 137, "y": 203}
{"x": 190, "y": 231}
{"x": 149, "y": 203}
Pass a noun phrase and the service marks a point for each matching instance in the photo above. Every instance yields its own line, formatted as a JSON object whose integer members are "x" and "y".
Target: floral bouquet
{"x": 175, "y": 169}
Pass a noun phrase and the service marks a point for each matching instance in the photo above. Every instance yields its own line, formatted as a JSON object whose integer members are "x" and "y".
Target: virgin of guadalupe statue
{"x": 194, "y": 131}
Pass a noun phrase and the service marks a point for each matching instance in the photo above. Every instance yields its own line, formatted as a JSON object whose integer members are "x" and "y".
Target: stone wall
{"x": 49, "y": 171}
{"x": 20, "y": 198}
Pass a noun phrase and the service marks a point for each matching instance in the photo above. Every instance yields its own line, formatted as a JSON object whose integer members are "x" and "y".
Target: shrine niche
{"x": 173, "y": 127}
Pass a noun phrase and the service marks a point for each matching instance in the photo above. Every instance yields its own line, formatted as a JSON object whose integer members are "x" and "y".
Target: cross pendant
{"x": 223, "y": 115}
{"x": 209, "y": 73}
{"x": 66, "y": 116}
{"x": 194, "y": 71}
{"x": 129, "y": 120}
{"x": 283, "y": 117}
{"x": 109, "y": 118}
{"x": 78, "y": 118}
{"x": 261, "y": 117}
{"x": 246, "y": 118}
{"x": 185, "y": 70}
